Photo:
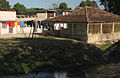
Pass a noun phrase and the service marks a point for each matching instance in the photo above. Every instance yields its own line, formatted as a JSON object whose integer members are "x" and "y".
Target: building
{"x": 33, "y": 19}
{"x": 88, "y": 24}
{"x": 5, "y": 17}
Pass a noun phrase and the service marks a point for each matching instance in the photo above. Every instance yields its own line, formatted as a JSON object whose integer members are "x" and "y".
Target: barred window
{"x": 94, "y": 28}
{"x": 107, "y": 28}
{"x": 4, "y": 25}
{"x": 117, "y": 27}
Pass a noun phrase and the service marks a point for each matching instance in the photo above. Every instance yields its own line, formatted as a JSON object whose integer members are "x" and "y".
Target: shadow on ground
{"x": 26, "y": 55}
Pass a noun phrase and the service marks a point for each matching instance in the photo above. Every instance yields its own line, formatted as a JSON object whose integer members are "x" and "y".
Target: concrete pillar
{"x": 101, "y": 29}
{"x": 54, "y": 14}
{"x": 46, "y": 14}
{"x": 113, "y": 27}
{"x": 87, "y": 29}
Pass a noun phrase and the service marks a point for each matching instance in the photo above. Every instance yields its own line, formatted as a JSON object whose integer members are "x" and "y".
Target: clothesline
{"x": 13, "y": 24}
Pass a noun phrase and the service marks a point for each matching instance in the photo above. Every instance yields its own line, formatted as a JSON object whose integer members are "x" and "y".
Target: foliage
{"x": 4, "y": 5}
{"x": 88, "y": 3}
{"x": 111, "y": 5}
{"x": 19, "y": 8}
{"x": 64, "y": 6}
{"x": 32, "y": 9}
{"x": 54, "y": 6}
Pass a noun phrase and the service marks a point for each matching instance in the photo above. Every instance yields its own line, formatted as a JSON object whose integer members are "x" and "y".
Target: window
{"x": 4, "y": 25}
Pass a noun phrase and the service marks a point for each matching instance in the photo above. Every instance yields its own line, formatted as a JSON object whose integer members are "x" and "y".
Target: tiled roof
{"x": 86, "y": 14}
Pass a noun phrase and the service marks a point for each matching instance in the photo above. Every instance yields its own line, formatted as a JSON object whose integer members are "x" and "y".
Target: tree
{"x": 63, "y": 6}
{"x": 111, "y": 5}
{"x": 32, "y": 9}
{"x": 54, "y": 6}
{"x": 4, "y": 5}
{"x": 88, "y": 3}
{"x": 19, "y": 8}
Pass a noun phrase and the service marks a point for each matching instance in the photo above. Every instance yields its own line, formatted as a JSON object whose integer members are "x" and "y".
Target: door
{"x": 10, "y": 29}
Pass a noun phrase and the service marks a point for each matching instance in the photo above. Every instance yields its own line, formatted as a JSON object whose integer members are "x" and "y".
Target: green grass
{"x": 103, "y": 46}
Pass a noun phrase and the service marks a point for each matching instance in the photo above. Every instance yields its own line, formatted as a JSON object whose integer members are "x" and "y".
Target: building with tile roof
{"x": 89, "y": 24}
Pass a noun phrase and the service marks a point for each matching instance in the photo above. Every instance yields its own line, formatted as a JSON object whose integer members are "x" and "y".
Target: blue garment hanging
{"x": 21, "y": 23}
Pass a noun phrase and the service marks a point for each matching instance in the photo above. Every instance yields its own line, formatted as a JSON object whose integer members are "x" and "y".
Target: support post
{"x": 36, "y": 24}
{"x": 34, "y": 28}
{"x": 101, "y": 29}
{"x": 72, "y": 29}
{"x": 113, "y": 27}
{"x": 87, "y": 28}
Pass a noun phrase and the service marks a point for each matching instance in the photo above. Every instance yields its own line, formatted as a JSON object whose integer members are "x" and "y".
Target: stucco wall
{"x": 0, "y": 27}
{"x": 41, "y": 16}
{"x": 26, "y": 29}
{"x": 4, "y": 30}
{"x": 7, "y": 16}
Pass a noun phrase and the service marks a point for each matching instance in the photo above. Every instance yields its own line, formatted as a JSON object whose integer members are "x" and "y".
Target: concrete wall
{"x": 4, "y": 30}
{"x": 7, "y": 16}
{"x": 101, "y": 37}
{"x": 41, "y": 16}
{"x": 26, "y": 30}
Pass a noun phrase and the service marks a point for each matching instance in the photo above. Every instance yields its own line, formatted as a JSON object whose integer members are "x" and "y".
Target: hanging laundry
{"x": 15, "y": 23}
{"x": 18, "y": 23}
{"x": 11, "y": 24}
{"x": 21, "y": 23}
{"x": 65, "y": 26}
{"x": 57, "y": 26}
{"x": 61, "y": 25}
{"x": 7, "y": 23}
{"x": 39, "y": 24}
{"x": 54, "y": 26}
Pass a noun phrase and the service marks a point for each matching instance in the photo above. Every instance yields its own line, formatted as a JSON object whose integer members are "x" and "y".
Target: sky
{"x": 47, "y": 3}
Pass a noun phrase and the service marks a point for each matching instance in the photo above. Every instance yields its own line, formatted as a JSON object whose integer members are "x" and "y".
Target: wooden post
{"x": 101, "y": 29}
{"x": 113, "y": 27}
{"x": 73, "y": 29}
{"x": 34, "y": 28}
{"x": 87, "y": 28}
{"x": 36, "y": 24}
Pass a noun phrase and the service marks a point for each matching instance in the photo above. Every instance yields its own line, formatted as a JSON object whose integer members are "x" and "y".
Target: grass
{"x": 26, "y": 55}
{"x": 104, "y": 46}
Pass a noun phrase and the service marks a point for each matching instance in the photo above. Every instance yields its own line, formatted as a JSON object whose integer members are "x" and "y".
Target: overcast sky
{"x": 47, "y": 3}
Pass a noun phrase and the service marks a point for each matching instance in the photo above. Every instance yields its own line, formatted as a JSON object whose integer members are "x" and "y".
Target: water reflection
{"x": 40, "y": 75}
{"x": 61, "y": 75}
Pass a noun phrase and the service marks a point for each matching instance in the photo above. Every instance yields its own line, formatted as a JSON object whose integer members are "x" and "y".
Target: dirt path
{"x": 14, "y": 35}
